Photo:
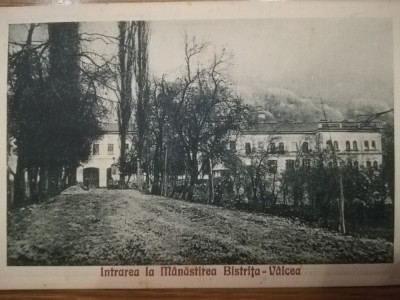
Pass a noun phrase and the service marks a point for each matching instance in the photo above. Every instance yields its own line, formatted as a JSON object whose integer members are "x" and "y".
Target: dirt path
{"x": 117, "y": 227}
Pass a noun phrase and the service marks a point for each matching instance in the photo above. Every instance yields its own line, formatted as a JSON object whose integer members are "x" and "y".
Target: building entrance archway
{"x": 91, "y": 177}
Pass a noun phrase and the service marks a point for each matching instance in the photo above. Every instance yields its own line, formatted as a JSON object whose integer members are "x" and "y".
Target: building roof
{"x": 287, "y": 127}
{"x": 284, "y": 127}
{"x": 311, "y": 127}
{"x": 113, "y": 128}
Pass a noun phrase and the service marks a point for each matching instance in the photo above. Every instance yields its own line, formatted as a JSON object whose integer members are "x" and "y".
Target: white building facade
{"x": 101, "y": 168}
{"x": 356, "y": 143}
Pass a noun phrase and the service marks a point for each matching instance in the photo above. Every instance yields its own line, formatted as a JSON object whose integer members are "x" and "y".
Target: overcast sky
{"x": 340, "y": 61}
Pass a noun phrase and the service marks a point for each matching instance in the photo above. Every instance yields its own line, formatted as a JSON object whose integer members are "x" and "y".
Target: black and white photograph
{"x": 200, "y": 142}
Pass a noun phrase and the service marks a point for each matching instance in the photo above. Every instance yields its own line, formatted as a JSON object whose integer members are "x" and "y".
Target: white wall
{"x": 362, "y": 155}
{"x": 103, "y": 160}
{"x": 293, "y": 142}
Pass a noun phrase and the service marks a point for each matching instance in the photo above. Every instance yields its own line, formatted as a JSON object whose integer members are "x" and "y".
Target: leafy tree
{"x": 262, "y": 171}
{"x": 124, "y": 77}
{"x": 52, "y": 121}
{"x": 142, "y": 92}
{"x": 205, "y": 108}
{"x": 162, "y": 96}
{"x": 388, "y": 153}
{"x": 318, "y": 182}
{"x": 132, "y": 89}
{"x": 23, "y": 101}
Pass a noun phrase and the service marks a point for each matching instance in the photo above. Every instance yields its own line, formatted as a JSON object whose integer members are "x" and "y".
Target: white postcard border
{"x": 90, "y": 277}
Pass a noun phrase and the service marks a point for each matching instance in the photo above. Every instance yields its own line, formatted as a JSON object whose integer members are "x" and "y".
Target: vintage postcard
{"x": 177, "y": 145}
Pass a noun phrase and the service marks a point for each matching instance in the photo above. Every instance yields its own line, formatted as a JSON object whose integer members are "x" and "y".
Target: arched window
{"x": 304, "y": 147}
{"x": 110, "y": 149}
{"x": 366, "y": 145}
{"x": 232, "y": 145}
{"x": 329, "y": 145}
{"x": 375, "y": 165}
{"x": 289, "y": 164}
{"x": 272, "y": 148}
{"x": 373, "y": 145}
{"x": 336, "y": 145}
{"x": 272, "y": 166}
{"x": 297, "y": 163}
{"x": 355, "y": 147}
{"x": 281, "y": 147}
{"x": 247, "y": 148}
{"x": 347, "y": 145}
{"x": 356, "y": 164}
{"x": 96, "y": 149}
{"x": 368, "y": 164}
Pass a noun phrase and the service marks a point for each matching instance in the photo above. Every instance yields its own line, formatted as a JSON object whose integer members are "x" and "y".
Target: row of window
{"x": 110, "y": 149}
{"x": 280, "y": 148}
{"x": 355, "y": 145}
{"x": 290, "y": 164}
{"x": 273, "y": 147}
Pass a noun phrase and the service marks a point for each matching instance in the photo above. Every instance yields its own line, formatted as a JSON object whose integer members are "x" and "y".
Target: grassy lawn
{"x": 124, "y": 227}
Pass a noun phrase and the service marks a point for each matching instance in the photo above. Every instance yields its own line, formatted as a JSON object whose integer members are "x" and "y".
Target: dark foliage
{"x": 52, "y": 122}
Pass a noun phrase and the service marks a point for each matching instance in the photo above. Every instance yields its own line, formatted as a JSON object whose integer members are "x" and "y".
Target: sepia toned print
{"x": 200, "y": 142}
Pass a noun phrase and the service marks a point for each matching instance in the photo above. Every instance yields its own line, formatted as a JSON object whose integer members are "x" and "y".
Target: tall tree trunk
{"x": 342, "y": 224}
{"x": 158, "y": 163}
{"x": 193, "y": 164}
{"x": 126, "y": 56}
{"x": 210, "y": 182}
{"x": 165, "y": 174}
{"x": 22, "y": 95}
{"x": 141, "y": 76}
{"x": 54, "y": 174}
{"x": 122, "y": 157}
{"x": 65, "y": 101}
{"x": 274, "y": 196}
{"x": 69, "y": 176}
{"x": 32, "y": 179}
{"x": 43, "y": 182}
{"x": 139, "y": 174}
{"x": 19, "y": 181}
